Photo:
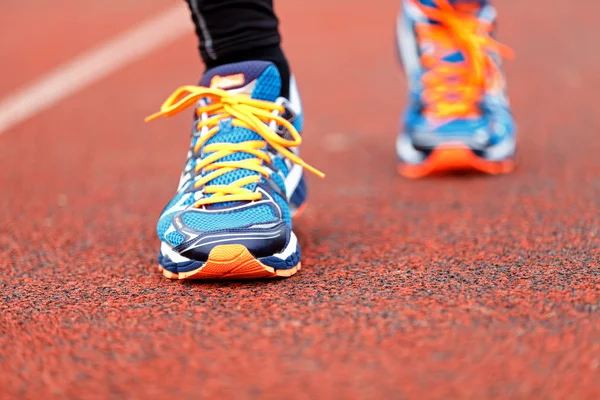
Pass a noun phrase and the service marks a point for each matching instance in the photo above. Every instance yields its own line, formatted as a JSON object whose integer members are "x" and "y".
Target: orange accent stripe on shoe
{"x": 232, "y": 261}
{"x": 455, "y": 158}
{"x": 299, "y": 210}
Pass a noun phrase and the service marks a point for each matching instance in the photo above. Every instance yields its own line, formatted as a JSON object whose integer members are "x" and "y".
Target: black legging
{"x": 239, "y": 30}
{"x": 230, "y": 26}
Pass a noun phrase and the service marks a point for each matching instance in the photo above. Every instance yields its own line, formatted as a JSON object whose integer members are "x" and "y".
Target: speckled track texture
{"x": 449, "y": 287}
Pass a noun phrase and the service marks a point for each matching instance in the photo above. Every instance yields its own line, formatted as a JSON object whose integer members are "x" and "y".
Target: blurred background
{"x": 459, "y": 286}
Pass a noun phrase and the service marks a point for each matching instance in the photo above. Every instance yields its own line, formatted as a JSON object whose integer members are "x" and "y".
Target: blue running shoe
{"x": 458, "y": 116}
{"x": 243, "y": 180}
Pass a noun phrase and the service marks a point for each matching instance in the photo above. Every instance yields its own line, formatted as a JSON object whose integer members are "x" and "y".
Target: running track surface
{"x": 461, "y": 286}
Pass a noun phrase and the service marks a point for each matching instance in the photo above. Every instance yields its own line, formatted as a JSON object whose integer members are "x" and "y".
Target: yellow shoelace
{"x": 468, "y": 80}
{"x": 246, "y": 113}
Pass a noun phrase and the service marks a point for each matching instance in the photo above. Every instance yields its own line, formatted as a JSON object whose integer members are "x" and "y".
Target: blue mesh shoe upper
{"x": 493, "y": 123}
{"x": 181, "y": 222}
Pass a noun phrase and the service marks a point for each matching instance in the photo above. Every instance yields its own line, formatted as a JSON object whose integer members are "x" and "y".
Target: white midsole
{"x": 293, "y": 180}
{"x": 407, "y": 152}
{"x": 502, "y": 150}
{"x": 410, "y": 155}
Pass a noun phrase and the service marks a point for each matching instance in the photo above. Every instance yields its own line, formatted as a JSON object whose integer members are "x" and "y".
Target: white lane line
{"x": 93, "y": 65}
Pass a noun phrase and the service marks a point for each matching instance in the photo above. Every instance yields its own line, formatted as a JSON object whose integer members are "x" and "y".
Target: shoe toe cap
{"x": 260, "y": 242}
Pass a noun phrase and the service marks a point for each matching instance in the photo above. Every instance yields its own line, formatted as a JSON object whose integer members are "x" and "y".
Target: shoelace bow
{"x": 245, "y": 112}
{"x": 454, "y": 89}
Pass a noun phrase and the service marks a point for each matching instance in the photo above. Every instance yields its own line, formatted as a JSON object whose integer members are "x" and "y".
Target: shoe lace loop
{"x": 244, "y": 112}
{"x": 453, "y": 90}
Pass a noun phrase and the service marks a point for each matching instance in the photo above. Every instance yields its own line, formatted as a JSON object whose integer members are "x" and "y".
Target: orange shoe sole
{"x": 455, "y": 158}
{"x": 231, "y": 261}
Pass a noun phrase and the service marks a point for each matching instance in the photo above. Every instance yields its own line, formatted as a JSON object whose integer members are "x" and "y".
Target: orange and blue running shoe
{"x": 458, "y": 116}
{"x": 243, "y": 180}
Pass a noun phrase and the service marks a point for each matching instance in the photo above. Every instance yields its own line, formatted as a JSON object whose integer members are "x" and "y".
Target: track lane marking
{"x": 93, "y": 65}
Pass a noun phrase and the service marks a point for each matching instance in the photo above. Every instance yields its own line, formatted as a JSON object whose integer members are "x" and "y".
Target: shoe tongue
{"x": 260, "y": 79}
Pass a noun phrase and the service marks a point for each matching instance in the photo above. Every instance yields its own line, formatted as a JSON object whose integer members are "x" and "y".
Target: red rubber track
{"x": 37, "y": 35}
{"x": 449, "y": 287}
